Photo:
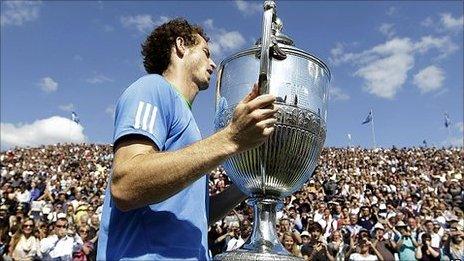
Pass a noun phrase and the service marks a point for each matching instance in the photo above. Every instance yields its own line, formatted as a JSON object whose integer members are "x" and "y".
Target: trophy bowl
{"x": 287, "y": 159}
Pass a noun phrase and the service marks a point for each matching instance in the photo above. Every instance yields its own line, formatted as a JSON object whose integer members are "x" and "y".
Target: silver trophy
{"x": 288, "y": 158}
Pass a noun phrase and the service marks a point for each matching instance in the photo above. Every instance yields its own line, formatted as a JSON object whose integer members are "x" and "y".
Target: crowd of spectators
{"x": 360, "y": 204}
{"x": 51, "y": 201}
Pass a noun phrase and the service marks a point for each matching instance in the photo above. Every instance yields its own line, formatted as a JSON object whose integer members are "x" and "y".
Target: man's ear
{"x": 180, "y": 46}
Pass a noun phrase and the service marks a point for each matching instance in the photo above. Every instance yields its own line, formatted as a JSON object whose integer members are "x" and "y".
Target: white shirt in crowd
{"x": 436, "y": 239}
{"x": 328, "y": 226}
{"x": 26, "y": 249}
{"x": 53, "y": 248}
{"x": 359, "y": 257}
{"x": 318, "y": 215}
{"x": 235, "y": 243}
{"x": 24, "y": 197}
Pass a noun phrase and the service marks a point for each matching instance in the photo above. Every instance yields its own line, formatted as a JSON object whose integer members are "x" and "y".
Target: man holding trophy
{"x": 269, "y": 140}
{"x": 156, "y": 204}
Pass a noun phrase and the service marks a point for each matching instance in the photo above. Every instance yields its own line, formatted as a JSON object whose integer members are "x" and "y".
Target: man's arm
{"x": 47, "y": 245}
{"x": 222, "y": 203}
{"x": 142, "y": 175}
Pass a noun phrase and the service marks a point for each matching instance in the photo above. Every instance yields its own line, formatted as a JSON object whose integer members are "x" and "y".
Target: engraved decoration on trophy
{"x": 281, "y": 165}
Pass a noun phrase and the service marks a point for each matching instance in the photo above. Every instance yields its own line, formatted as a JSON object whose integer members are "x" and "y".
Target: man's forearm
{"x": 224, "y": 202}
{"x": 153, "y": 177}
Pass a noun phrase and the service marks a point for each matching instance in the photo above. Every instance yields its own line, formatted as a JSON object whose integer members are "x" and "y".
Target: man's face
{"x": 95, "y": 220}
{"x": 365, "y": 212}
{"x": 305, "y": 240}
{"x": 61, "y": 226}
{"x": 285, "y": 224}
{"x": 429, "y": 226}
{"x": 353, "y": 219}
{"x": 379, "y": 233}
{"x": 3, "y": 214}
{"x": 316, "y": 234}
{"x": 199, "y": 63}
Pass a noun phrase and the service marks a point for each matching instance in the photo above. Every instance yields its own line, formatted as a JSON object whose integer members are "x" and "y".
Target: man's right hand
{"x": 253, "y": 120}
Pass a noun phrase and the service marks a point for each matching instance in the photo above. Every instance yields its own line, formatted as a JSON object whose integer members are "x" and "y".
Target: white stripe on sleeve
{"x": 152, "y": 119}
{"x": 138, "y": 115}
{"x": 145, "y": 117}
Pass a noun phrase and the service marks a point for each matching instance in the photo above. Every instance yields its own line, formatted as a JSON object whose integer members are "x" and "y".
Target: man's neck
{"x": 179, "y": 80}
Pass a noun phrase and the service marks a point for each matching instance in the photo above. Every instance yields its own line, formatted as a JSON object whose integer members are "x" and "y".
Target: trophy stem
{"x": 263, "y": 244}
{"x": 264, "y": 238}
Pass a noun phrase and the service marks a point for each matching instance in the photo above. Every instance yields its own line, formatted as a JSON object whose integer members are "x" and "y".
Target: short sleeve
{"x": 142, "y": 109}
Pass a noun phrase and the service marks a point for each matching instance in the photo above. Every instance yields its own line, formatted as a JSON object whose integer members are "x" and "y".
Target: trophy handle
{"x": 264, "y": 67}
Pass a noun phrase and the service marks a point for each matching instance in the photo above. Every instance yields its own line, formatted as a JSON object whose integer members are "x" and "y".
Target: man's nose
{"x": 213, "y": 65}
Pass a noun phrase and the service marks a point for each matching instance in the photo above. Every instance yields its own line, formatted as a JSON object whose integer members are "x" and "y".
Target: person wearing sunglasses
{"x": 62, "y": 243}
{"x": 24, "y": 245}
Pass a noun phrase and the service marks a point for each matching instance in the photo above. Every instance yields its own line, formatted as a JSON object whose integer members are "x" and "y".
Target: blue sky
{"x": 402, "y": 59}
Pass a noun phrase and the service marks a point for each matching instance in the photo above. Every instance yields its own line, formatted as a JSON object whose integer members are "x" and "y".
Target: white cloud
{"x": 454, "y": 141}
{"x": 77, "y": 57}
{"x": 99, "y": 78}
{"x": 143, "y": 22}
{"x": 391, "y": 11}
{"x": 445, "y": 23}
{"x": 42, "y": 132}
{"x": 19, "y": 12}
{"x": 385, "y": 76}
{"x": 249, "y": 7}
{"x": 336, "y": 93}
{"x": 384, "y": 68}
{"x": 47, "y": 84}
{"x": 108, "y": 28}
{"x": 444, "y": 45}
{"x": 110, "y": 110}
{"x": 460, "y": 126}
{"x": 67, "y": 107}
{"x": 222, "y": 41}
{"x": 429, "y": 79}
{"x": 428, "y": 22}
{"x": 451, "y": 23}
{"x": 387, "y": 30}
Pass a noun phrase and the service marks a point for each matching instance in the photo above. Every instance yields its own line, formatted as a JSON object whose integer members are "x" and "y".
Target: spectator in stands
{"x": 366, "y": 219}
{"x": 362, "y": 252}
{"x": 88, "y": 248}
{"x": 406, "y": 244}
{"x": 236, "y": 240}
{"x": 425, "y": 251}
{"x": 63, "y": 243}
{"x": 290, "y": 245}
{"x": 24, "y": 245}
{"x": 337, "y": 248}
{"x": 386, "y": 247}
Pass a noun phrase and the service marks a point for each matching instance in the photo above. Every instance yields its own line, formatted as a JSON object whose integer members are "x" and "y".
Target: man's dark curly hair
{"x": 156, "y": 49}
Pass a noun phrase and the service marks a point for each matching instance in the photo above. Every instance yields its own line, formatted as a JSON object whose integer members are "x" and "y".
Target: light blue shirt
{"x": 177, "y": 227}
{"x": 407, "y": 250}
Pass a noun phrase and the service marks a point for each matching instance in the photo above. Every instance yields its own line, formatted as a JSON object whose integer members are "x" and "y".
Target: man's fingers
{"x": 267, "y": 123}
{"x": 252, "y": 94}
{"x": 261, "y": 114}
{"x": 261, "y": 101}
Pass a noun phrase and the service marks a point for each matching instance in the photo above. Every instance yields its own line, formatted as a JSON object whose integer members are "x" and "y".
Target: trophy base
{"x": 245, "y": 255}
